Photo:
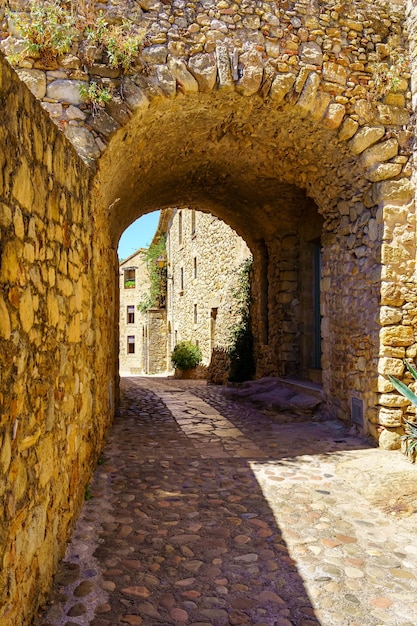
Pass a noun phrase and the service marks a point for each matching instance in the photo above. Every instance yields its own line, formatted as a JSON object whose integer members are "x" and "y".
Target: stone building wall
{"x": 55, "y": 400}
{"x": 142, "y": 338}
{"x": 202, "y": 272}
{"x": 130, "y": 296}
{"x": 284, "y": 120}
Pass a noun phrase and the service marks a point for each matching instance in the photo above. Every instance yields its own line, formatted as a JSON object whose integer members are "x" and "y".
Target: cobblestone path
{"x": 207, "y": 513}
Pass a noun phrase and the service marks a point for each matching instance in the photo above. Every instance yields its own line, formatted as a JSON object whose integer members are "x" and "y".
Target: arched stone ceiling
{"x": 245, "y": 161}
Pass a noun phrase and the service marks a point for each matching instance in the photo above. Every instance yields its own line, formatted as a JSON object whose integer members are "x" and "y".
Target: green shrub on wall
{"x": 241, "y": 339}
{"x": 185, "y": 356}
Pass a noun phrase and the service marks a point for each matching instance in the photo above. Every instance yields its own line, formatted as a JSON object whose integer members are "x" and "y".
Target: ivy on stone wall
{"x": 241, "y": 338}
{"x": 156, "y": 296}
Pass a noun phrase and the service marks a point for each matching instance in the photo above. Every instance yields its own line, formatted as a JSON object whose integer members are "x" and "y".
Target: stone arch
{"x": 266, "y": 162}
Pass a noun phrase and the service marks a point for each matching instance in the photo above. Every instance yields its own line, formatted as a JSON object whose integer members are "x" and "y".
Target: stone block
{"x": 390, "y": 418}
{"x": 310, "y": 52}
{"x": 166, "y": 81}
{"x": 23, "y": 190}
{"x": 379, "y": 153}
{"x": 35, "y": 80}
{"x": 65, "y": 91}
{"x": 307, "y": 99}
{"x": 252, "y": 66}
{"x": 397, "y": 336}
{"x": 223, "y": 67}
{"x": 184, "y": 78}
{"x": 392, "y": 400}
{"x": 395, "y": 192}
{"x": 83, "y": 141}
{"x": 204, "y": 69}
{"x": 281, "y": 86}
{"x": 334, "y": 73}
{"x": 389, "y": 315}
{"x": 334, "y": 115}
{"x": 387, "y": 365}
{"x": 349, "y": 128}
{"x": 389, "y": 440}
{"x": 383, "y": 172}
{"x": 392, "y": 115}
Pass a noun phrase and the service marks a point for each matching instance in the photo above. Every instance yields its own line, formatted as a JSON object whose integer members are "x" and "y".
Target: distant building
{"x": 142, "y": 334}
{"x": 203, "y": 256}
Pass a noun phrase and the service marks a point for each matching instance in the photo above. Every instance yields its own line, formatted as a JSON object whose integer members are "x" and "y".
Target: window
{"x": 131, "y": 344}
{"x": 195, "y": 314}
{"x": 192, "y": 222}
{"x": 182, "y": 279}
{"x": 195, "y": 267}
{"x": 129, "y": 278}
{"x": 180, "y": 228}
{"x": 131, "y": 314}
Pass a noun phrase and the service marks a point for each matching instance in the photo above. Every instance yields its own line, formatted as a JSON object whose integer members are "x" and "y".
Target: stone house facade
{"x": 203, "y": 259}
{"x": 142, "y": 335}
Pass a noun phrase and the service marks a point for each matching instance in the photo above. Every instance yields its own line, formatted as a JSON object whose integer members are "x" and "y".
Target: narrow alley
{"x": 204, "y": 512}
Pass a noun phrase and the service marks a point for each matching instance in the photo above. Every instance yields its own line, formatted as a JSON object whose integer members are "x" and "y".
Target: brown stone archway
{"x": 267, "y": 126}
{"x": 268, "y": 171}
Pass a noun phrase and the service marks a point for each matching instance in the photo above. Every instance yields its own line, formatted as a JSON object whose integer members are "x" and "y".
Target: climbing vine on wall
{"x": 241, "y": 338}
{"x": 156, "y": 296}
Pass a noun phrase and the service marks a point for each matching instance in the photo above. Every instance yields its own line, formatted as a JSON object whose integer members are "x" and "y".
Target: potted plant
{"x": 185, "y": 358}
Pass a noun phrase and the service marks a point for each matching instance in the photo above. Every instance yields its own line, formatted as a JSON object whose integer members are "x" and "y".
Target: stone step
{"x": 291, "y": 397}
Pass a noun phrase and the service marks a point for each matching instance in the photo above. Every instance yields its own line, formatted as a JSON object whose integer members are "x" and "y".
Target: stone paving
{"x": 208, "y": 513}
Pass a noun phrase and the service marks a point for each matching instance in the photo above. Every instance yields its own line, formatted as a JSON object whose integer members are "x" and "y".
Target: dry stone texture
{"x": 267, "y": 115}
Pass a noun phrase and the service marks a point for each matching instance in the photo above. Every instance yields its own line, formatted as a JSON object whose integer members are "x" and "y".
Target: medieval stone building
{"x": 204, "y": 256}
{"x": 142, "y": 333}
{"x": 290, "y": 121}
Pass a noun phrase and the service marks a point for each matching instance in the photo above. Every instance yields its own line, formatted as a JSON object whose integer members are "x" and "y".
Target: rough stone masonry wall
{"x": 128, "y": 362}
{"x": 218, "y": 253}
{"x": 52, "y": 411}
{"x": 306, "y": 69}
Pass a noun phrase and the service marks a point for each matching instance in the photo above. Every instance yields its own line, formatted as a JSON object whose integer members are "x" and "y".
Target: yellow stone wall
{"x": 54, "y": 399}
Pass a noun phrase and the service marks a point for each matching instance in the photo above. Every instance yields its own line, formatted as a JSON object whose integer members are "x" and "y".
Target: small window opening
{"x": 131, "y": 314}
{"x": 131, "y": 344}
{"x": 129, "y": 278}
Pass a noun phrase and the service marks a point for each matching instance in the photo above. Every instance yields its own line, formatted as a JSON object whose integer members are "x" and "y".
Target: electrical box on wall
{"x": 356, "y": 412}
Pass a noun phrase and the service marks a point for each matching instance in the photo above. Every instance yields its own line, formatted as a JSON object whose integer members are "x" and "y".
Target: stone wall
{"x": 133, "y": 362}
{"x": 54, "y": 399}
{"x": 202, "y": 272}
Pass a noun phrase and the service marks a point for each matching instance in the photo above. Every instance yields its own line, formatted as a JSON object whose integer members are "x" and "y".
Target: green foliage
{"x": 156, "y": 295}
{"x": 410, "y": 437}
{"x": 121, "y": 42}
{"x": 95, "y": 94}
{"x": 87, "y": 493}
{"x": 241, "y": 338}
{"x": 386, "y": 75}
{"x": 185, "y": 356}
{"x": 48, "y": 29}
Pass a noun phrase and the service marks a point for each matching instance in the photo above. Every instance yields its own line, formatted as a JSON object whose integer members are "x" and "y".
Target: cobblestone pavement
{"x": 207, "y": 513}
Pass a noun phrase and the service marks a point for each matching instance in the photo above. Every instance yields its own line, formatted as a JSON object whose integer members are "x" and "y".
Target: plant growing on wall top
{"x": 410, "y": 436}
{"x": 241, "y": 338}
{"x": 49, "y": 28}
{"x": 156, "y": 295}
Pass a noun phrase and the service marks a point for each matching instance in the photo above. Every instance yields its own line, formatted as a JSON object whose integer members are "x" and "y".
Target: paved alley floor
{"x": 205, "y": 512}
